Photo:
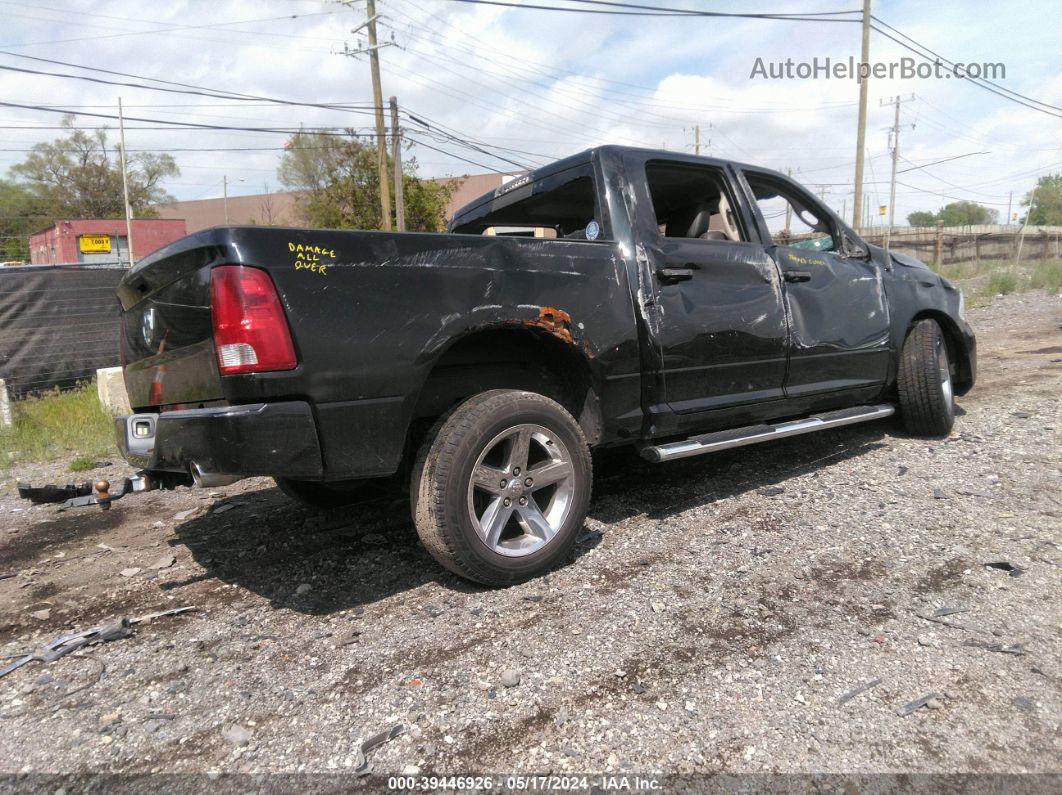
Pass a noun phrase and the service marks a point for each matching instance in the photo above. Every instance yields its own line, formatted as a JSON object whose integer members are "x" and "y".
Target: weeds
{"x": 987, "y": 279}
{"x": 55, "y": 424}
{"x": 1003, "y": 282}
{"x": 83, "y": 463}
{"x": 1047, "y": 275}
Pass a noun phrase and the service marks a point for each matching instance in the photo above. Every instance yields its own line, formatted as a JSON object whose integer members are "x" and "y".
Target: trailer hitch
{"x": 78, "y": 495}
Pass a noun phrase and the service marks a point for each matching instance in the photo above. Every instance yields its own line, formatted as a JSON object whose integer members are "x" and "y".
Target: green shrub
{"x": 1003, "y": 282}
{"x": 1047, "y": 275}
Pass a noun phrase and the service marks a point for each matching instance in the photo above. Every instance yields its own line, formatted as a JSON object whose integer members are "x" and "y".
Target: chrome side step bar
{"x": 753, "y": 434}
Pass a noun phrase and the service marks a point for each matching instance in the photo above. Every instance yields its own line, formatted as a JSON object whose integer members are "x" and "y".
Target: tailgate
{"x": 167, "y": 333}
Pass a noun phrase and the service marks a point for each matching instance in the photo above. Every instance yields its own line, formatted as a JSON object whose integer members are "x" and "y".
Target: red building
{"x": 99, "y": 240}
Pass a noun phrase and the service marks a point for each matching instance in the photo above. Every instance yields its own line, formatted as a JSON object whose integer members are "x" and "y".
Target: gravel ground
{"x": 718, "y": 616}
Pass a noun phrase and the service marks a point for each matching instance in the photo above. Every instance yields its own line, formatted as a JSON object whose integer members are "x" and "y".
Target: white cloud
{"x": 546, "y": 85}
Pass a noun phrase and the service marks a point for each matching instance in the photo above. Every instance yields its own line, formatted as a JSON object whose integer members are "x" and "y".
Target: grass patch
{"x": 1047, "y": 275}
{"x": 983, "y": 281}
{"x": 958, "y": 271}
{"x": 56, "y": 424}
{"x": 83, "y": 463}
{"x": 1003, "y": 282}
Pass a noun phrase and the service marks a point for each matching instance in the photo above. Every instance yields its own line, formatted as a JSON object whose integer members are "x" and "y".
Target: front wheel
{"x": 927, "y": 399}
{"x": 501, "y": 487}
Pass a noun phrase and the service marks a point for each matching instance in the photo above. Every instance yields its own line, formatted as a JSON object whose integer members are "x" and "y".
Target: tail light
{"x": 251, "y": 334}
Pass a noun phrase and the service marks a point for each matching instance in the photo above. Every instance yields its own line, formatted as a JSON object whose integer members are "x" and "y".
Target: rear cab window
{"x": 558, "y": 206}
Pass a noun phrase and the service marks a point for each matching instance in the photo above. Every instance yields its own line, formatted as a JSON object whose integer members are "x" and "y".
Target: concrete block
{"x": 110, "y": 385}
{"x": 5, "y": 406}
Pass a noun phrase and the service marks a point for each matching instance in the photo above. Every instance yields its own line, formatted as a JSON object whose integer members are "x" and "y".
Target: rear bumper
{"x": 255, "y": 439}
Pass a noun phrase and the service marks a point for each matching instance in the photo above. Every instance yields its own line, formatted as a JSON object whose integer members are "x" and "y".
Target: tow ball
{"x": 79, "y": 495}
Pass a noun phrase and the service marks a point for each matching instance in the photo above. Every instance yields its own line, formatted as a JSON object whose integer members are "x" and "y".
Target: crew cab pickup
{"x": 617, "y": 297}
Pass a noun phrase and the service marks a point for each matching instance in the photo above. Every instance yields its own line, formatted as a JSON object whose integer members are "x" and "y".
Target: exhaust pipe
{"x": 211, "y": 480}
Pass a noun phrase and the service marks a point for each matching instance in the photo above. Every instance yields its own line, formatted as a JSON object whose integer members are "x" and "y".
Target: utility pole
{"x": 861, "y": 130}
{"x": 396, "y": 156}
{"x": 697, "y": 140}
{"x": 125, "y": 187}
{"x": 1010, "y": 198}
{"x": 225, "y": 196}
{"x": 895, "y": 130}
{"x": 377, "y": 98}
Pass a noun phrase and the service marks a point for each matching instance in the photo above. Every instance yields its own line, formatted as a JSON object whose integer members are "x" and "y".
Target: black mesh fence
{"x": 58, "y": 324}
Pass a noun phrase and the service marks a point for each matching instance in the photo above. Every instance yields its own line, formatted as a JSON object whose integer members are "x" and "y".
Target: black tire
{"x": 927, "y": 403}
{"x": 323, "y": 496}
{"x": 444, "y": 499}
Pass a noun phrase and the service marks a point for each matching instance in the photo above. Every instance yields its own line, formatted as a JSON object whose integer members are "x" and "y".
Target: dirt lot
{"x": 715, "y": 616}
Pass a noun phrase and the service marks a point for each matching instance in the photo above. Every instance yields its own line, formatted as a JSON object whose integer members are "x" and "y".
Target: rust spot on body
{"x": 556, "y": 321}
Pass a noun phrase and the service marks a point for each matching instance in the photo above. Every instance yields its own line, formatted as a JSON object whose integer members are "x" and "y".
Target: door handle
{"x": 673, "y": 275}
{"x": 797, "y": 276}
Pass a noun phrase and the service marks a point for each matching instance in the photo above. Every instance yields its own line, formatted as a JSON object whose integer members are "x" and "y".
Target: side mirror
{"x": 853, "y": 248}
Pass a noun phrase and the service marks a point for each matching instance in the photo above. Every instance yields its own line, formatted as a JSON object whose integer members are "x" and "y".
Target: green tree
{"x": 79, "y": 175}
{"x": 21, "y": 214}
{"x": 337, "y": 177}
{"x": 1045, "y": 201}
{"x": 922, "y": 218}
{"x": 967, "y": 213}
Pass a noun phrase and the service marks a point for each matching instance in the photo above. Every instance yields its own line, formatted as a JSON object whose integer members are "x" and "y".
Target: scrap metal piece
{"x": 857, "y": 691}
{"x": 53, "y": 493}
{"x": 176, "y": 611}
{"x": 1017, "y": 649}
{"x": 374, "y": 742}
{"x": 62, "y": 646}
{"x": 377, "y": 740}
{"x": 917, "y": 704}
{"x": 1007, "y": 566}
{"x": 949, "y": 611}
{"x": 15, "y": 665}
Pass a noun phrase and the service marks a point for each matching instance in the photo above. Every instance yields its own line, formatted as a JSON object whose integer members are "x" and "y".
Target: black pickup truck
{"x": 620, "y": 296}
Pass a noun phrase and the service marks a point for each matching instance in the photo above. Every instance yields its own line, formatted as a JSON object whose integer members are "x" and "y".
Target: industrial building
{"x": 101, "y": 240}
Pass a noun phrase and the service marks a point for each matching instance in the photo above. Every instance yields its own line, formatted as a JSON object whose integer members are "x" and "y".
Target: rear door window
{"x": 693, "y": 202}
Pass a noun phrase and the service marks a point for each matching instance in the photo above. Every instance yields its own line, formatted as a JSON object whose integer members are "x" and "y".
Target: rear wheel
{"x": 927, "y": 398}
{"x": 501, "y": 487}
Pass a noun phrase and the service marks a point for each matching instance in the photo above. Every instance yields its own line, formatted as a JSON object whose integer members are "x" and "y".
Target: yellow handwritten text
{"x": 310, "y": 258}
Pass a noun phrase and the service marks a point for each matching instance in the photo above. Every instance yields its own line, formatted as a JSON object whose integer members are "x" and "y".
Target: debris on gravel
{"x": 794, "y": 626}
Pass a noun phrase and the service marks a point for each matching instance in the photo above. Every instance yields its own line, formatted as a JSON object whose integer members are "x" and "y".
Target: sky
{"x": 505, "y": 88}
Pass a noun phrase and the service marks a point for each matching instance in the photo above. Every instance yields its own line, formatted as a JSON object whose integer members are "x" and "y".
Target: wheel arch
{"x": 953, "y": 338}
{"x": 539, "y": 357}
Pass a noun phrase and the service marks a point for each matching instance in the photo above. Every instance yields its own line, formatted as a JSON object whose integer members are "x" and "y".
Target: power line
{"x": 975, "y": 81}
{"x": 915, "y": 166}
{"x": 458, "y": 157}
{"x": 182, "y": 124}
{"x": 579, "y": 93}
{"x": 657, "y": 11}
{"x": 523, "y": 63}
{"x": 183, "y": 88}
{"x": 951, "y": 63}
